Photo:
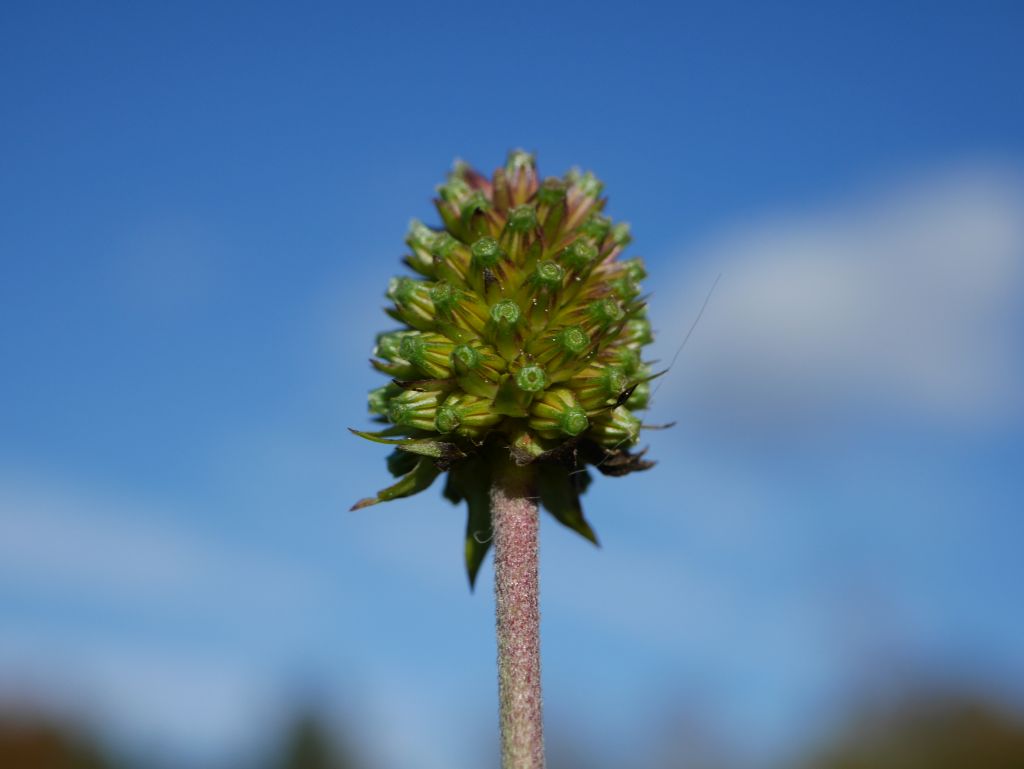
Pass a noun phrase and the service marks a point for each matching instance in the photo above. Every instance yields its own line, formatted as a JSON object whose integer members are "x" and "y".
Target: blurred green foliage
{"x": 929, "y": 733}
{"x": 924, "y": 732}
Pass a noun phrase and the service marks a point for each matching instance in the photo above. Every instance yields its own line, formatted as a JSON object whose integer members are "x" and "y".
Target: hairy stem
{"x": 514, "y": 512}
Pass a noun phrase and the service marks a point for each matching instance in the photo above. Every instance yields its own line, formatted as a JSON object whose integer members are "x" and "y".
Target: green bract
{"x": 521, "y": 332}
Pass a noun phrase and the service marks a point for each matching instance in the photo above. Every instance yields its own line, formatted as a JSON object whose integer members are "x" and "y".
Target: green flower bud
{"x": 596, "y": 227}
{"x": 467, "y": 415}
{"x": 454, "y": 190}
{"x": 641, "y": 397}
{"x": 579, "y": 256}
{"x": 551, "y": 192}
{"x": 522, "y": 218}
{"x": 589, "y": 185}
{"x": 444, "y": 297}
{"x": 548, "y": 275}
{"x": 621, "y": 235}
{"x": 379, "y": 399}
{"x": 465, "y": 359}
{"x": 506, "y": 314}
{"x": 389, "y": 345}
{"x": 531, "y": 379}
{"x": 414, "y": 409}
{"x": 599, "y": 386}
{"x": 487, "y": 253}
{"x": 522, "y": 331}
{"x": 615, "y": 428}
{"x": 637, "y": 332}
{"x": 605, "y": 312}
{"x": 412, "y": 302}
{"x": 430, "y": 353}
{"x": 557, "y": 413}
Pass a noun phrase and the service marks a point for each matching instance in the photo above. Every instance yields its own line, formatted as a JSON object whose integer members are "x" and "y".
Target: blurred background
{"x": 200, "y": 207}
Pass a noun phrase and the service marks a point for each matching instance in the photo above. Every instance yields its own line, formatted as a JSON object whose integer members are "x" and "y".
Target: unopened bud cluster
{"x": 521, "y": 323}
{"x": 522, "y": 318}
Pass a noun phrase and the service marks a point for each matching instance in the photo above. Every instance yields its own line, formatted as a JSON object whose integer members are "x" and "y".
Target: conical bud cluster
{"x": 520, "y": 328}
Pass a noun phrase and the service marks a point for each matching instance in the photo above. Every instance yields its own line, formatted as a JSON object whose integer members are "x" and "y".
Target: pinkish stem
{"x": 514, "y": 514}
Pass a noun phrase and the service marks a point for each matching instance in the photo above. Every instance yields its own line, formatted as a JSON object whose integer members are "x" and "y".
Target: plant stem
{"x": 514, "y": 516}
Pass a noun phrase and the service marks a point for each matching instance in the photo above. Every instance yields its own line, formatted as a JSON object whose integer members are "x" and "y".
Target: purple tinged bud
{"x": 625, "y": 288}
{"x": 475, "y": 202}
{"x": 589, "y": 185}
{"x": 621, "y": 235}
{"x": 551, "y": 192}
{"x": 519, "y": 160}
{"x": 596, "y": 227}
{"x": 635, "y": 269}
{"x": 522, "y": 218}
{"x": 637, "y": 332}
{"x": 454, "y": 190}
{"x": 579, "y": 255}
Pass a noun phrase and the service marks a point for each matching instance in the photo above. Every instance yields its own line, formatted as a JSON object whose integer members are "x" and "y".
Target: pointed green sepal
{"x": 413, "y": 482}
{"x": 560, "y": 494}
{"x": 441, "y": 450}
{"x": 471, "y": 481}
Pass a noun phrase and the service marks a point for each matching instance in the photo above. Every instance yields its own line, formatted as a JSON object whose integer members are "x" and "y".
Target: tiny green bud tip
{"x": 573, "y": 340}
{"x": 475, "y": 202}
{"x": 411, "y": 348}
{"x": 606, "y": 311}
{"x": 579, "y": 254}
{"x": 398, "y": 411}
{"x": 486, "y": 252}
{"x": 402, "y": 290}
{"x": 573, "y": 421}
{"x": 505, "y": 313}
{"x": 444, "y": 296}
{"x": 443, "y": 245}
{"x": 531, "y": 379}
{"x": 447, "y": 419}
{"x": 551, "y": 192}
{"x": 519, "y": 159}
{"x": 465, "y": 358}
{"x": 522, "y": 218}
{"x": 614, "y": 381}
{"x": 549, "y": 274}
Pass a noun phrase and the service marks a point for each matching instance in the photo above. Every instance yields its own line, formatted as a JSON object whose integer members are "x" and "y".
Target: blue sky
{"x": 200, "y": 210}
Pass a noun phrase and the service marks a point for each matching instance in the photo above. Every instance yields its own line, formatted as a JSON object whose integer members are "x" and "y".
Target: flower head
{"x": 522, "y": 330}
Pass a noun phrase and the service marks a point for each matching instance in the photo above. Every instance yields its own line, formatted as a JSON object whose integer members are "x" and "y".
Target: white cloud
{"x": 904, "y": 304}
{"x": 165, "y": 634}
{"x": 98, "y": 548}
